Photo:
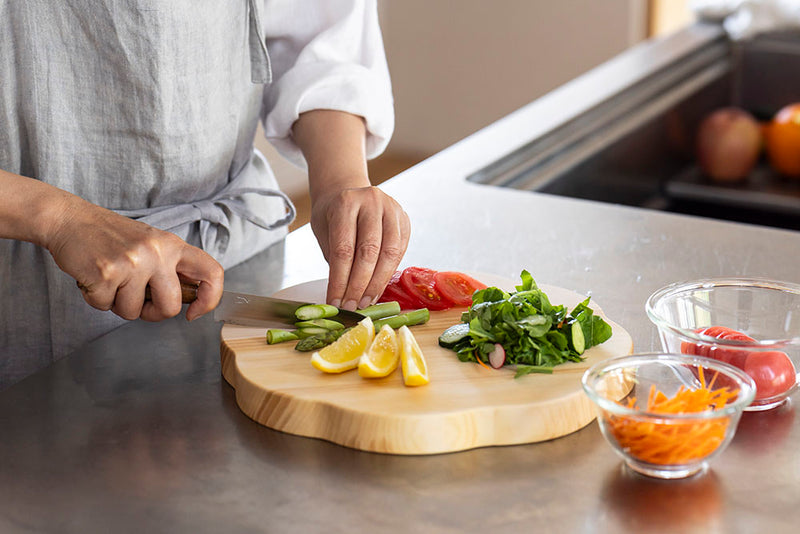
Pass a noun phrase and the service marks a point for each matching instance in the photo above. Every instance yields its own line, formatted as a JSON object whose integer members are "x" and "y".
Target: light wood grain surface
{"x": 464, "y": 406}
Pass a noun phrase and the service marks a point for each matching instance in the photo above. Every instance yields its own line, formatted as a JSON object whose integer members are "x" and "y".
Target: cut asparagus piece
{"x": 409, "y": 318}
{"x": 381, "y": 310}
{"x": 317, "y": 341}
{"x": 327, "y": 324}
{"x": 309, "y": 331}
{"x": 277, "y": 335}
{"x": 315, "y": 311}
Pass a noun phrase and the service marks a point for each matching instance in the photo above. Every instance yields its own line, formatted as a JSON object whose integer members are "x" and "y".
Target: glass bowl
{"x": 751, "y": 323}
{"x": 655, "y": 412}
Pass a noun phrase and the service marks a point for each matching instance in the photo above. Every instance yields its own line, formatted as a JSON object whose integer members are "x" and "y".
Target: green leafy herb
{"x": 535, "y": 334}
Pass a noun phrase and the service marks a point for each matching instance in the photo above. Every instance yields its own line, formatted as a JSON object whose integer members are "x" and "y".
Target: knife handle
{"x": 188, "y": 292}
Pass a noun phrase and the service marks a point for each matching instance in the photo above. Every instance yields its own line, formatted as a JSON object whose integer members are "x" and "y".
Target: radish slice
{"x": 497, "y": 358}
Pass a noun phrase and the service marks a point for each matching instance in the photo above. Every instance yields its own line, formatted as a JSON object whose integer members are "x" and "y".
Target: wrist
{"x": 30, "y": 209}
{"x": 55, "y": 212}
{"x": 329, "y": 184}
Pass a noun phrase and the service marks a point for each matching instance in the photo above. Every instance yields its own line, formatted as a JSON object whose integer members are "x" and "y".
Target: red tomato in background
{"x": 419, "y": 283}
{"x": 394, "y": 292}
{"x": 456, "y": 287}
{"x": 772, "y": 371}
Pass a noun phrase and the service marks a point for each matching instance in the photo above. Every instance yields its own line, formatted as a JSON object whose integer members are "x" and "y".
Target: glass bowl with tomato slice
{"x": 668, "y": 415}
{"x": 750, "y": 323}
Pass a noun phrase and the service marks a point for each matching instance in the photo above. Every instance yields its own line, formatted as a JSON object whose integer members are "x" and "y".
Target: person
{"x": 126, "y": 149}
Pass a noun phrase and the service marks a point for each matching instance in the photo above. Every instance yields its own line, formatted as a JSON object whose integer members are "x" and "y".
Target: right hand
{"x": 114, "y": 258}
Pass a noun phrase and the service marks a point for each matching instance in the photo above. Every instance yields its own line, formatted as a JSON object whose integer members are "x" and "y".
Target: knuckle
{"x": 342, "y": 251}
{"x": 217, "y": 272}
{"x": 106, "y": 269}
{"x": 98, "y": 304}
{"x": 393, "y": 254}
{"x": 170, "y": 308}
{"x": 369, "y": 251}
{"x": 125, "y": 312}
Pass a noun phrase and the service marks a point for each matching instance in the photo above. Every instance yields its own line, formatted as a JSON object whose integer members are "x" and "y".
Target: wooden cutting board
{"x": 464, "y": 406}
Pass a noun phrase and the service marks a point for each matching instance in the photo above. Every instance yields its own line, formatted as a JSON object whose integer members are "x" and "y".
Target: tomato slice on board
{"x": 419, "y": 283}
{"x": 395, "y": 292}
{"x": 457, "y": 287}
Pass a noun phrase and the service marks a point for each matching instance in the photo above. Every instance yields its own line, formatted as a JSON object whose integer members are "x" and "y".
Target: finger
{"x": 396, "y": 232}
{"x": 98, "y": 295}
{"x": 165, "y": 298}
{"x": 368, "y": 247}
{"x": 129, "y": 299}
{"x": 342, "y": 231}
{"x": 198, "y": 265}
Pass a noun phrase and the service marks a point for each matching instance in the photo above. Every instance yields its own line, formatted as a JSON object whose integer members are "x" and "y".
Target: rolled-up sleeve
{"x": 326, "y": 54}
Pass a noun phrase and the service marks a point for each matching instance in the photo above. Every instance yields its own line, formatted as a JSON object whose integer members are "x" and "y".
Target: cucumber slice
{"x": 453, "y": 335}
{"x": 576, "y": 338}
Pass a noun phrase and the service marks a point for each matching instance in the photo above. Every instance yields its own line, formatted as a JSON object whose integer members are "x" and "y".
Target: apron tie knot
{"x": 214, "y": 215}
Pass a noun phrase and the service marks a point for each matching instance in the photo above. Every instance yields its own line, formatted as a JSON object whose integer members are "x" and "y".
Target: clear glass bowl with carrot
{"x": 750, "y": 323}
{"x": 668, "y": 415}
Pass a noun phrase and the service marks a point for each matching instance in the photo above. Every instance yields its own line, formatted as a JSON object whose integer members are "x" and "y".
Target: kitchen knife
{"x": 255, "y": 310}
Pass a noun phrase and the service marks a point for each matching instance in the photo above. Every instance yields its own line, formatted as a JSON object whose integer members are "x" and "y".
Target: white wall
{"x": 458, "y": 65}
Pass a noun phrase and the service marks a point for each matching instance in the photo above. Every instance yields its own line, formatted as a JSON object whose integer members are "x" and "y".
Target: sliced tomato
{"x": 395, "y": 292}
{"x": 457, "y": 287}
{"x": 772, "y": 371}
{"x": 727, "y": 355}
{"x": 419, "y": 283}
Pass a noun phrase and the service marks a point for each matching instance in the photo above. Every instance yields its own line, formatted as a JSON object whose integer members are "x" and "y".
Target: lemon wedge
{"x": 415, "y": 369}
{"x": 345, "y": 353}
{"x": 382, "y": 356}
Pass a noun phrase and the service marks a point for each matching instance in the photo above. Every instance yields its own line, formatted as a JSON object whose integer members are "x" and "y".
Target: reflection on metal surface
{"x": 631, "y": 502}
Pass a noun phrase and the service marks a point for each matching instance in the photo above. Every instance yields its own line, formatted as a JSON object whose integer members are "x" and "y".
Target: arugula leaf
{"x": 534, "y": 333}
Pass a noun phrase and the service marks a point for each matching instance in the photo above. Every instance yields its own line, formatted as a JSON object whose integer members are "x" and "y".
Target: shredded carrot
{"x": 675, "y": 442}
{"x": 482, "y": 364}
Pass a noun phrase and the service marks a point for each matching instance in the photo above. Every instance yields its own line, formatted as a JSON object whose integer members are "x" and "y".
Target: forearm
{"x": 112, "y": 258}
{"x": 363, "y": 233}
{"x": 30, "y": 209}
{"x": 333, "y": 144}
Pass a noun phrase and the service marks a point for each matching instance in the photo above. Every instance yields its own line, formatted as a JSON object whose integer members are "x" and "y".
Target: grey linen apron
{"x": 146, "y": 107}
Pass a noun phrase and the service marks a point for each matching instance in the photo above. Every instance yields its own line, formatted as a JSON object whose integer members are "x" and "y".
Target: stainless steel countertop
{"x": 138, "y": 432}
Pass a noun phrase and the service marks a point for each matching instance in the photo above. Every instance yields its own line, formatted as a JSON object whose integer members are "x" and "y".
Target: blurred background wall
{"x": 459, "y": 65}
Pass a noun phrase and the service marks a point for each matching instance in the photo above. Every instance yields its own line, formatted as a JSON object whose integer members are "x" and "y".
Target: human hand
{"x": 113, "y": 259}
{"x": 363, "y": 233}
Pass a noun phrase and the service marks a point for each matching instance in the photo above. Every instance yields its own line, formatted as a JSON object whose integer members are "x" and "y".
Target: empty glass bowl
{"x": 751, "y": 323}
{"x": 667, "y": 415}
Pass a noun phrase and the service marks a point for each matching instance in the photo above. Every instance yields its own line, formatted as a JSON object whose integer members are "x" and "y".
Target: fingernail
{"x": 365, "y": 301}
{"x": 335, "y": 302}
{"x": 349, "y": 305}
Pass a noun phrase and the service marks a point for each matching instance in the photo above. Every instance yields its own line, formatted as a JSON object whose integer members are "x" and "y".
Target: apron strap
{"x": 213, "y": 215}
{"x": 260, "y": 66}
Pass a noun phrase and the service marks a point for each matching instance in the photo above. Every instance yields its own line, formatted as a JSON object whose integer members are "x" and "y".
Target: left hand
{"x": 363, "y": 233}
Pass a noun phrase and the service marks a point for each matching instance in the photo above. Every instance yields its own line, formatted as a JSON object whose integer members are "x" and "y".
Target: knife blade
{"x": 255, "y": 310}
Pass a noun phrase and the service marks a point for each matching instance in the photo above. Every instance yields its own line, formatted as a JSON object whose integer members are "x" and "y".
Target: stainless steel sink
{"x": 624, "y": 132}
